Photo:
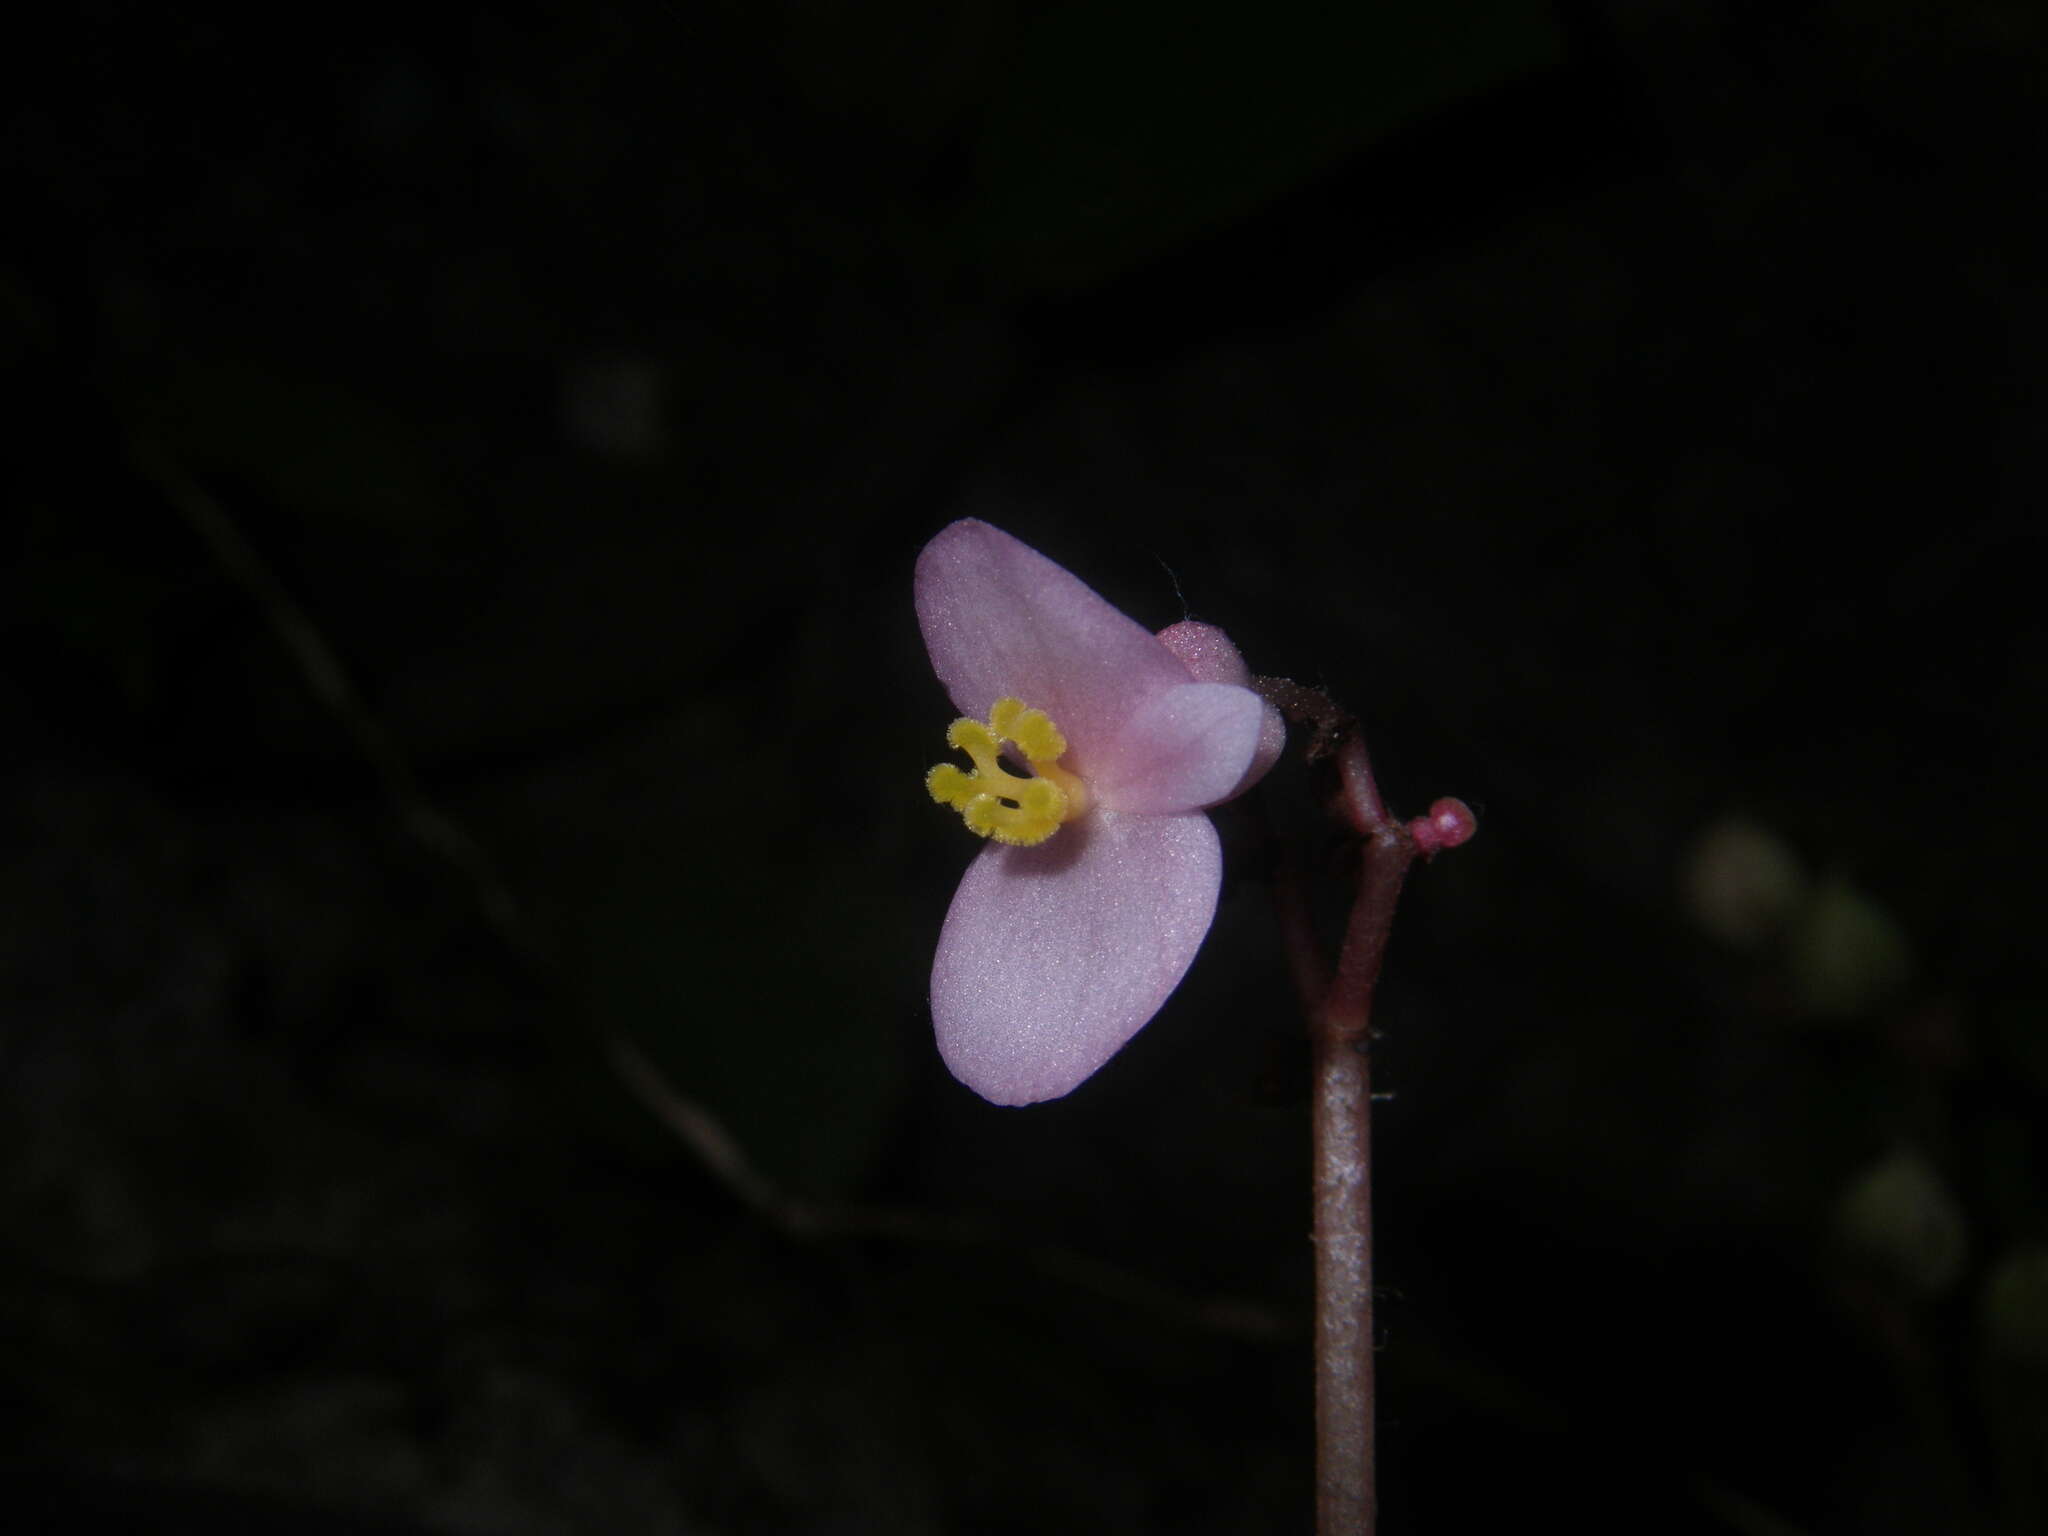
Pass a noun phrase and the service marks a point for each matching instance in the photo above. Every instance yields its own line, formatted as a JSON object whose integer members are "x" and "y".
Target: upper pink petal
{"x": 1053, "y": 957}
{"x": 1002, "y": 621}
{"x": 1181, "y": 749}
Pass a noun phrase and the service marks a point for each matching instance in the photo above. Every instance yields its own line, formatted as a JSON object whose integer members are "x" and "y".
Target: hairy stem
{"x": 1341, "y": 1038}
{"x": 1343, "y": 1239}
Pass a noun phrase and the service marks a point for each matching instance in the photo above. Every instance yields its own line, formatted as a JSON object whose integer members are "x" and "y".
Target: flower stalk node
{"x": 996, "y": 803}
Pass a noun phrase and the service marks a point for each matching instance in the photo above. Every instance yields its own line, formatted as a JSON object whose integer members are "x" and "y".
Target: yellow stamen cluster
{"x": 997, "y": 803}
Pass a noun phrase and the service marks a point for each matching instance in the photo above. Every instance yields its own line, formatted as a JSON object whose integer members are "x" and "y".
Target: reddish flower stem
{"x": 1339, "y": 1006}
{"x": 1340, "y": 1029}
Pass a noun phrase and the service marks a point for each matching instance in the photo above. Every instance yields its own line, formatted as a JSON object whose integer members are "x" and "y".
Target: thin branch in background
{"x": 715, "y": 1149}
{"x": 328, "y": 681}
{"x": 721, "y": 1154}
{"x": 702, "y": 1132}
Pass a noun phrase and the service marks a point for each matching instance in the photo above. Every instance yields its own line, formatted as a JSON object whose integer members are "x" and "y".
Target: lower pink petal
{"x": 1053, "y": 957}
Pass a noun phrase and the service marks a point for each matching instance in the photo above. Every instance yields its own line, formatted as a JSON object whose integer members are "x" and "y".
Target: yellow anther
{"x": 997, "y": 803}
{"x": 973, "y": 738}
{"x": 1031, "y": 729}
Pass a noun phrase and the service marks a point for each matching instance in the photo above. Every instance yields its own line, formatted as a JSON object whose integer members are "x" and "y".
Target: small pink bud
{"x": 1449, "y": 823}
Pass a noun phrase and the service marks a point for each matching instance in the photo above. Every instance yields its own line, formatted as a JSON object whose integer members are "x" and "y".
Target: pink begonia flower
{"x": 1095, "y": 746}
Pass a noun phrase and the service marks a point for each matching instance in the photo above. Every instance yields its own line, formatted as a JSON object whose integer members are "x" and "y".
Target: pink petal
{"x": 1181, "y": 749}
{"x": 1208, "y": 653}
{"x": 1000, "y": 620}
{"x": 1053, "y": 957}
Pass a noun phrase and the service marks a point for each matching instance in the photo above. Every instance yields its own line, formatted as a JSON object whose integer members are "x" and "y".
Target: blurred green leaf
{"x": 1848, "y": 953}
{"x": 1901, "y": 1217}
{"x": 1128, "y": 129}
{"x": 2016, "y": 1307}
{"x": 1742, "y": 882}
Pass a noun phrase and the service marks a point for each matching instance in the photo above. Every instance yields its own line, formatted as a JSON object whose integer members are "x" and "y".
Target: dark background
{"x": 462, "y": 485}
